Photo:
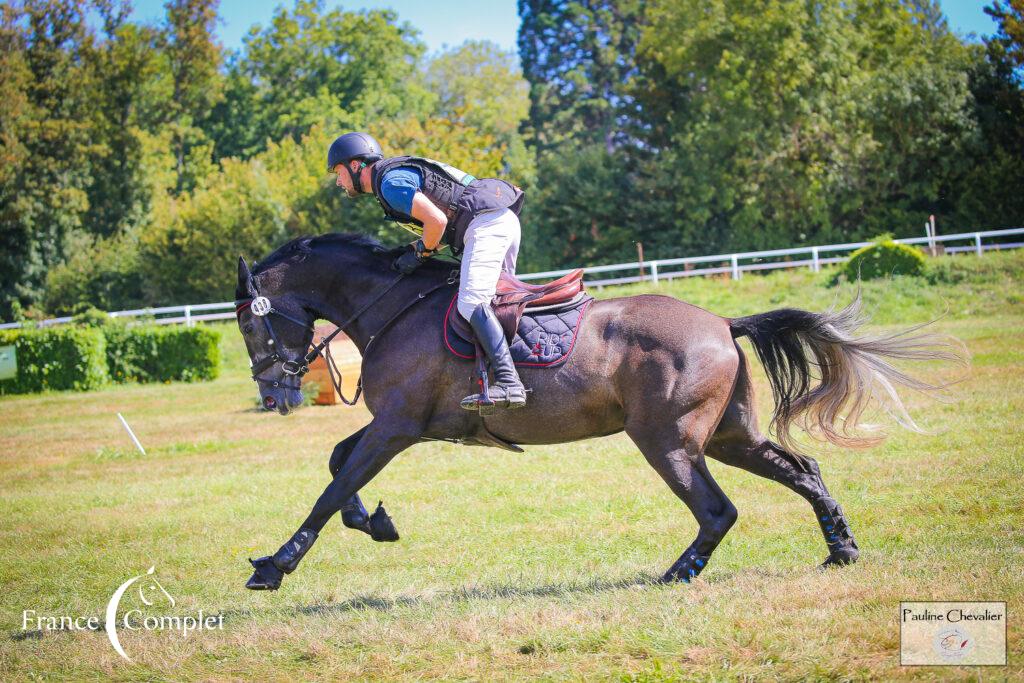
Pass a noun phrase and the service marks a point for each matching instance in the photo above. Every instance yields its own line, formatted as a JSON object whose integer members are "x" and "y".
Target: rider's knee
{"x": 466, "y": 307}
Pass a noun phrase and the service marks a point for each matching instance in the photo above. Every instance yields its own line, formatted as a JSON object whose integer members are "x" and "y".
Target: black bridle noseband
{"x": 261, "y": 307}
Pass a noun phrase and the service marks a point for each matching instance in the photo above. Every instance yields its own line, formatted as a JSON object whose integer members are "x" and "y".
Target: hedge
{"x": 883, "y": 258}
{"x": 153, "y": 353}
{"x": 84, "y": 358}
{"x": 56, "y": 358}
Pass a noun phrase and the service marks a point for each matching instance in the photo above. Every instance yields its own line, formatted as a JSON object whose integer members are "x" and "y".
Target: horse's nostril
{"x": 269, "y": 403}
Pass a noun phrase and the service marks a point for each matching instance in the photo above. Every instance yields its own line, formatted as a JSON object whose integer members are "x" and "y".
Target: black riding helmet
{"x": 353, "y": 146}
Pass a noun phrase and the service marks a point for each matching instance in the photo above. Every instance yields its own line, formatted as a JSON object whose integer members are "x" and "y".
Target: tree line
{"x": 140, "y": 159}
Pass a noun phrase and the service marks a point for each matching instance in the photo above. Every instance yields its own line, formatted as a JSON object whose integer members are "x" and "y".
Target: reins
{"x": 326, "y": 341}
{"x": 332, "y": 367}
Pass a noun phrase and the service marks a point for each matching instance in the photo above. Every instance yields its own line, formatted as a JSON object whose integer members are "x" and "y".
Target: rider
{"x": 446, "y": 206}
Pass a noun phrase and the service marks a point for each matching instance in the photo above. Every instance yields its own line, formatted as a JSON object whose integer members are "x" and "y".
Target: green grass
{"x": 515, "y": 566}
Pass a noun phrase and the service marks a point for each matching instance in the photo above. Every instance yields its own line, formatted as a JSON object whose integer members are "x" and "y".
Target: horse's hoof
{"x": 841, "y": 557}
{"x": 673, "y": 577}
{"x": 381, "y": 527}
{"x": 267, "y": 576}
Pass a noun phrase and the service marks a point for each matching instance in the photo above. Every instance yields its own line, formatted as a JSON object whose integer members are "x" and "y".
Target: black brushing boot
{"x": 270, "y": 570}
{"x": 508, "y": 390}
{"x": 687, "y": 567}
{"x": 841, "y": 545}
{"x": 378, "y": 525}
{"x": 355, "y": 516}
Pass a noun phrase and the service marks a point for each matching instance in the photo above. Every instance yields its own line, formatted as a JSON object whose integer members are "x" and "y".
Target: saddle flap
{"x": 508, "y": 314}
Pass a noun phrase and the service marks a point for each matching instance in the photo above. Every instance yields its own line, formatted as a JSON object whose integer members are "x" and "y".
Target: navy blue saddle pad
{"x": 545, "y": 338}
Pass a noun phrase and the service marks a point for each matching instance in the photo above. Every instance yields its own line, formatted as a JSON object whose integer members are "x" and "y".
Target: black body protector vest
{"x": 459, "y": 195}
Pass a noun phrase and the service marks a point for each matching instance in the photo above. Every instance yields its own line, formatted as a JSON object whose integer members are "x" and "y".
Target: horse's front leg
{"x": 379, "y": 442}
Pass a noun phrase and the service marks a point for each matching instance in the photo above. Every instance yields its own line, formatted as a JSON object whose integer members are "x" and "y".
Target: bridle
{"x": 261, "y": 307}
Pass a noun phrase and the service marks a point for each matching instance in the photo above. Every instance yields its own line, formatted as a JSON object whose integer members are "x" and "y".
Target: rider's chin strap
{"x": 357, "y": 183}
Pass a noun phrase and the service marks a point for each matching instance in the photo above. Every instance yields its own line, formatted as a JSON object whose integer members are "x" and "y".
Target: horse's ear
{"x": 244, "y": 278}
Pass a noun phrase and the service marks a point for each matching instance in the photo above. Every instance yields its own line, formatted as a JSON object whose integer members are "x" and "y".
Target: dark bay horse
{"x": 669, "y": 374}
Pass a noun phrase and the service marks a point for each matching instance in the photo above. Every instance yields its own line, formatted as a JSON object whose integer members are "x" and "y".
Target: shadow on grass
{"x": 459, "y": 595}
{"x": 379, "y": 603}
{"x": 467, "y": 594}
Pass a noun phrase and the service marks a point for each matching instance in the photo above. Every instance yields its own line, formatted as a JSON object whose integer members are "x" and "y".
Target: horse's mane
{"x": 299, "y": 247}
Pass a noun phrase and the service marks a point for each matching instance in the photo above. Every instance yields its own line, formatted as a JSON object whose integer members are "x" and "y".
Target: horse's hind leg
{"x": 672, "y": 437}
{"x": 677, "y": 457}
{"x": 739, "y": 442}
{"x": 353, "y": 513}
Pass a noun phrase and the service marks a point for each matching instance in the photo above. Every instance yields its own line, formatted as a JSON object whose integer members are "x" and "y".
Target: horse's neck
{"x": 345, "y": 295}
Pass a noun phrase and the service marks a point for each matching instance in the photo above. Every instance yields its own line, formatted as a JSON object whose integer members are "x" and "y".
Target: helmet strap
{"x": 357, "y": 183}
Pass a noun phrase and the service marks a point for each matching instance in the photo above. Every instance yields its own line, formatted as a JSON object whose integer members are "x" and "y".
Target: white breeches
{"x": 492, "y": 245}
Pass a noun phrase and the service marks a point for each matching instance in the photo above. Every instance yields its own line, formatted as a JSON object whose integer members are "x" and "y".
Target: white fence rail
{"x": 653, "y": 271}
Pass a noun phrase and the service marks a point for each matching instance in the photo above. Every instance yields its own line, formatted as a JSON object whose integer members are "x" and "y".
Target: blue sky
{"x": 453, "y": 21}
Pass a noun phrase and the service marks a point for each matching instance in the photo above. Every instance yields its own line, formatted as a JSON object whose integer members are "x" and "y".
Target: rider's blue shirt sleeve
{"x": 399, "y": 186}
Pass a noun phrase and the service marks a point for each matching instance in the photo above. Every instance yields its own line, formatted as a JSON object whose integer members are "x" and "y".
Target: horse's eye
{"x": 248, "y": 328}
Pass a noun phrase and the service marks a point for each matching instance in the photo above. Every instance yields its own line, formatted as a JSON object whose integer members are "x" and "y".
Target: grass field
{"x": 516, "y": 566}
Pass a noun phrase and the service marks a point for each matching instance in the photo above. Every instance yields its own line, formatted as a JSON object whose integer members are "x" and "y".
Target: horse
{"x": 669, "y": 374}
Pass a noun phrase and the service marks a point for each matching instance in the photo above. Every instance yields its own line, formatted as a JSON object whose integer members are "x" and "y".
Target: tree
{"x": 1010, "y": 34}
{"x": 194, "y": 60}
{"x": 578, "y": 58}
{"x": 785, "y": 122}
{"x": 189, "y": 253}
{"x": 309, "y": 66}
{"x": 480, "y": 87}
{"x": 988, "y": 191}
{"x": 47, "y": 138}
{"x": 104, "y": 273}
{"x": 129, "y": 99}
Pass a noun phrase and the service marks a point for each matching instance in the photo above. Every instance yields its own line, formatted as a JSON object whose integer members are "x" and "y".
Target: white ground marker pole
{"x": 131, "y": 433}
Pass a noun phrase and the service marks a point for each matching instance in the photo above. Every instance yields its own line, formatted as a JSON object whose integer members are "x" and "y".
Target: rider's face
{"x": 344, "y": 180}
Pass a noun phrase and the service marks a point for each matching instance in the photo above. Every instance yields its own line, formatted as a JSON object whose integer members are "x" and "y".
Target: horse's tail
{"x": 798, "y": 348}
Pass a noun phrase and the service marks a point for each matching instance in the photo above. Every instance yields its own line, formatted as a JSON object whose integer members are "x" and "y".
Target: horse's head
{"x": 277, "y": 330}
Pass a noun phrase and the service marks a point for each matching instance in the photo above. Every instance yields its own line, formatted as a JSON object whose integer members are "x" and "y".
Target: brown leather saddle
{"x": 513, "y": 297}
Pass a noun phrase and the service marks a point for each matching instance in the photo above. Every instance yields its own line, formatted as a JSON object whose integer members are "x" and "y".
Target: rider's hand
{"x": 413, "y": 258}
{"x": 407, "y": 262}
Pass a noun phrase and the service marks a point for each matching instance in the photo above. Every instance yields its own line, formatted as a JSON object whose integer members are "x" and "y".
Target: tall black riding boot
{"x": 507, "y": 390}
